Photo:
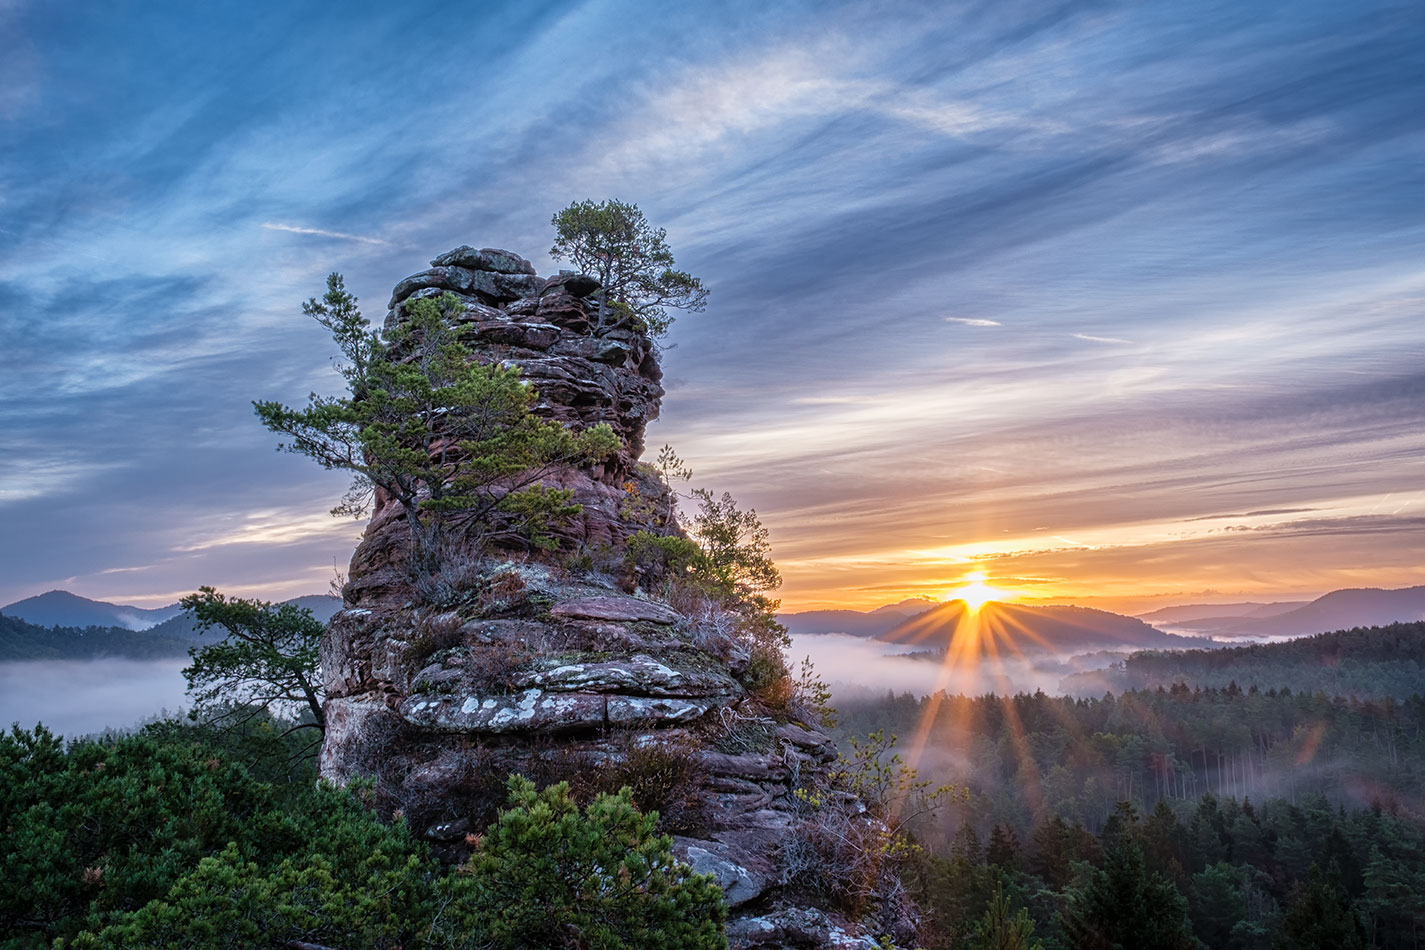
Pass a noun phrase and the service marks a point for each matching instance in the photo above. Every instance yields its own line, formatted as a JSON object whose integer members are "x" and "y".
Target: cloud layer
{"x": 1030, "y": 271}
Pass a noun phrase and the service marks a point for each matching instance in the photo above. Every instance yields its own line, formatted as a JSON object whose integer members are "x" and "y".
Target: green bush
{"x": 548, "y": 875}
{"x": 373, "y": 899}
{"x": 664, "y": 555}
{"x": 163, "y": 840}
{"x": 101, "y": 829}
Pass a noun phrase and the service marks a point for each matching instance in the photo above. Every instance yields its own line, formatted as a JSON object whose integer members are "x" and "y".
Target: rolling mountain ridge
{"x": 856, "y": 623}
{"x": 1338, "y": 610}
{"x": 1003, "y": 630}
{"x": 22, "y": 639}
{"x": 1187, "y": 613}
{"x": 60, "y": 608}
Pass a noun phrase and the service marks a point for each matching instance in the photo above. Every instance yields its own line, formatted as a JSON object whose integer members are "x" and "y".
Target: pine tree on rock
{"x": 612, "y": 242}
{"x": 452, "y": 440}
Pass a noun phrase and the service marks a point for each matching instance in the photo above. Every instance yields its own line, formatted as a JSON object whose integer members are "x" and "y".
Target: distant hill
{"x": 322, "y": 606}
{"x": 60, "y": 608}
{"x": 1342, "y": 609}
{"x": 1365, "y": 662}
{"x": 24, "y": 640}
{"x": 183, "y": 628}
{"x": 1338, "y": 610}
{"x": 1186, "y": 613}
{"x": 21, "y": 640}
{"x": 856, "y": 623}
{"x": 1016, "y": 629}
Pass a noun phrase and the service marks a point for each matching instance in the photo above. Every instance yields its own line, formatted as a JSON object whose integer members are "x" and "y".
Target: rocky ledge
{"x": 559, "y": 666}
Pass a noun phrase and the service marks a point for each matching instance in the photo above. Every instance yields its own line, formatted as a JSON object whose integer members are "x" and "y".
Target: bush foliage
{"x": 165, "y": 840}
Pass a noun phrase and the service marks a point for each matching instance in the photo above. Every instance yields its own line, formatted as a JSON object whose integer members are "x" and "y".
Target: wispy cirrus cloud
{"x": 1100, "y": 339}
{"x": 319, "y": 232}
{"x": 1153, "y": 174}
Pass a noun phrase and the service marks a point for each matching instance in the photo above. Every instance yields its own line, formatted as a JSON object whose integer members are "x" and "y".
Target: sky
{"x": 1118, "y": 304}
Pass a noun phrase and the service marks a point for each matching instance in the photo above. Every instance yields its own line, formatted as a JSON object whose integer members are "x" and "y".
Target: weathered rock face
{"x": 585, "y": 372}
{"x": 545, "y": 665}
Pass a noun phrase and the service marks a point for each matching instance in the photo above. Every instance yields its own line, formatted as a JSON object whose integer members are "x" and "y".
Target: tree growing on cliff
{"x": 267, "y": 659}
{"x": 453, "y": 441}
{"x": 735, "y": 544}
{"x": 613, "y": 242}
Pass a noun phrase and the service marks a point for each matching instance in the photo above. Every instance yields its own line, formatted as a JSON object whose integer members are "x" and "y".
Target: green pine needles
{"x": 452, "y": 440}
{"x": 163, "y": 840}
{"x": 547, "y": 874}
{"x": 613, "y": 242}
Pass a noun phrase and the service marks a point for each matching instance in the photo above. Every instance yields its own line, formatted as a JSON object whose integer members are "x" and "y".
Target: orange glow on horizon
{"x": 975, "y": 592}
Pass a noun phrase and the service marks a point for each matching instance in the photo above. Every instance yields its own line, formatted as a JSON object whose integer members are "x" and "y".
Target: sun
{"x": 975, "y": 592}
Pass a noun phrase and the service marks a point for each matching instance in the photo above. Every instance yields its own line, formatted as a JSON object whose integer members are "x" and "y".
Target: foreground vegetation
{"x": 169, "y": 839}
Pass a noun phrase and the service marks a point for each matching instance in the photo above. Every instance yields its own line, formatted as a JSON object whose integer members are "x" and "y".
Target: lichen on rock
{"x": 559, "y": 665}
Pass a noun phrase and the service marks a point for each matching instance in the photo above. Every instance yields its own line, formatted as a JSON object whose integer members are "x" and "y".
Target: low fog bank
{"x": 78, "y": 697}
{"x": 857, "y": 668}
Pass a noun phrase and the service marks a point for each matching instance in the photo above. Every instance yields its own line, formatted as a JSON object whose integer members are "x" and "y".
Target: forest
{"x": 1029, "y": 756}
{"x": 1176, "y": 817}
{"x": 20, "y": 640}
{"x": 1365, "y": 662}
{"x": 1186, "y": 814}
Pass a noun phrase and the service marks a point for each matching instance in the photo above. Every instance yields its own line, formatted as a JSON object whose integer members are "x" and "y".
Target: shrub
{"x": 855, "y": 860}
{"x": 375, "y": 899}
{"x": 663, "y": 557}
{"x": 100, "y": 830}
{"x": 549, "y": 875}
{"x": 434, "y": 633}
{"x": 663, "y": 778}
{"x": 495, "y": 665}
{"x": 160, "y": 841}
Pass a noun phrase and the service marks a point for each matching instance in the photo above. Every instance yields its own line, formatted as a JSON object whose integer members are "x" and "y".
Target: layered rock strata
{"x": 549, "y": 666}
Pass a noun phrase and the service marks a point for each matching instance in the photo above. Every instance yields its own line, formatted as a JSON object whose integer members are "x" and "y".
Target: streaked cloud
{"x": 1100, "y": 339}
{"x": 321, "y": 233}
{"x": 1219, "y": 202}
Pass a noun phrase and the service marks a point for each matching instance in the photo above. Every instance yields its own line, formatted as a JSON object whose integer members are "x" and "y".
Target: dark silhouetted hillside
{"x": 1365, "y": 662}
{"x": 1340, "y": 610}
{"x": 60, "y": 608}
{"x": 20, "y": 640}
{"x": 1000, "y": 629}
{"x": 856, "y": 623}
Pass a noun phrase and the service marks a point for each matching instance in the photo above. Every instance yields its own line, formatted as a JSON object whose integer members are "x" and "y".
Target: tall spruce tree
{"x": 1003, "y": 929}
{"x": 1123, "y": 907}
{"x": 1322, "y": 917}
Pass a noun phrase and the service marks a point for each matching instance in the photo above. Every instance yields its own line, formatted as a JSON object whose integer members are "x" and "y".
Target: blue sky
{"x": 1105, "y": 300}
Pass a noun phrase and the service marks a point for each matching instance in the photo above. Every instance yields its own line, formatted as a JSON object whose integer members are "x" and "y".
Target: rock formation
{"x": 560, "y": 666}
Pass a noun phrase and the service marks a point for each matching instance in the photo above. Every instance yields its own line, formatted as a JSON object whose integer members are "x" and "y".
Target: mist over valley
{"x": 75, "y": 698}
